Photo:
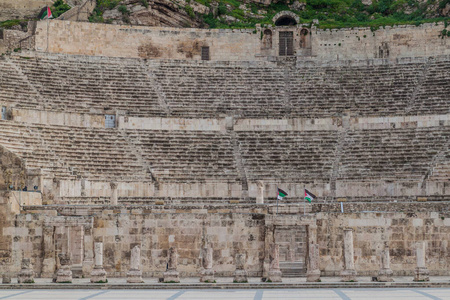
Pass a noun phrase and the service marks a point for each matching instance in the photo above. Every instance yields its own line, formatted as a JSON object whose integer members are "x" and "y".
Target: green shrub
{"x": 123, "y": 9}
{"x": 58, "y": 8}
{"x": 190, "y": 11}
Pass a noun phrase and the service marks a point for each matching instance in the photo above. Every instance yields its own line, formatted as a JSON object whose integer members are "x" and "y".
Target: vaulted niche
{"x": 285, "y": 21}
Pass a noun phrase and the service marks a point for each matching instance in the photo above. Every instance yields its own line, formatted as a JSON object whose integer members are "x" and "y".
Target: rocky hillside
{"x": 238, "y": 14}
{"x": 245, "y": 14}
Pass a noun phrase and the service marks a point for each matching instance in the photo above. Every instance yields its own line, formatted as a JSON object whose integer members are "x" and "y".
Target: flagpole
{"x": 304, "y": 200}
{"x": 277, "y": 199}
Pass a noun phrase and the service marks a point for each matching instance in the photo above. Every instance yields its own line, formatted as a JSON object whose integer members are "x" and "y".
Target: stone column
{"x": 260, "y": 195}
{"x": 88, "y": 255}
{"x": 385, "y": 273}
{"x": 240, "y": 275}
{"x": 26, "y": 274}
{"x": 313, "y": 273}
{"x": 98, "y": 274}
{"x": 114, "y": 198}
{"x": 349, "y": 272}
{"x": 49, "y": 262}
{"x": 207, "y": 273}
{"x": 421, "y": 273}
{"x": 274, "y": 269}
{"x": 171, "y": 274}
{"x": 64, "y": 273}
{"x": 134, "y": 275}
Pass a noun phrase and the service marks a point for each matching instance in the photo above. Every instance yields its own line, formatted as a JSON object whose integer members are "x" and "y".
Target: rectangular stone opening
{"x": 205, "y": 53}
{"x": 292, "y": 241}
{"x": 4, "y": 114}
{"x": 286, "y": 43}
{"x": 110, "y": 121}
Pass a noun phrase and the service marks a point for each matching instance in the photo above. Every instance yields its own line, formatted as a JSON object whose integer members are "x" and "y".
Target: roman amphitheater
{"x": 175, "y": 140}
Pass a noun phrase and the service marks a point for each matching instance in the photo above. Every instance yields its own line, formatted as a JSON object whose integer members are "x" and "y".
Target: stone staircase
{"x": 293, "y": 269}
{"x": 216, "y": 89}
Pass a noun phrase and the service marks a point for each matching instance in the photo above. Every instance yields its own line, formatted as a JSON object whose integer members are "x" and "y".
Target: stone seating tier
{"x": 391, "y": 154}
{"x": 193, "y": 90}
{"x": 406, "y": 154}
{"x": 302, "y": 155}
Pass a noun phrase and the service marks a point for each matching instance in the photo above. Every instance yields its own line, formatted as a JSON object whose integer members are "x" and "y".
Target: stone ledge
{"x": 170, "y": 286}
{"x": 227, "y": 283}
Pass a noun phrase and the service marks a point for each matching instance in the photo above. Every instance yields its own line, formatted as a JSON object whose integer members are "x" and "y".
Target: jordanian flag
{"x": 281, "y": 194}
{"x": 309, "y": 196}
{"x": 46, "y": 14}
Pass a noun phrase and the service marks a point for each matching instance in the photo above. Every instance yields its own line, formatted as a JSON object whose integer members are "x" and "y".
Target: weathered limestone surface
{"x": 207, "y": 272}
{"x": 260, "y": 195}
{"x": 421, "y": 272}
{"x": 134, "y": 275}
{"x": 64, "y": 273}
{"x": 98, "y": 274}
{"x": 313, "y": 272}
{"x": 171, "y": 274}
{"x": 6, "y": 279}
{"x": 349, "y": 272}
{"x": 26, "y": 274}
{"x": 274, "y": 270}
{"x": 238, "y": 45}
{"x": 49, "y": 262}
{"x": 385, "y": 273}
{"x": 240, "y": 274}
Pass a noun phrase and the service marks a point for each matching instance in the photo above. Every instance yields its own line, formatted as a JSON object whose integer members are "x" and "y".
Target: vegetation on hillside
{"x": 329, "y": 13}
{"x": 332, "y": 13}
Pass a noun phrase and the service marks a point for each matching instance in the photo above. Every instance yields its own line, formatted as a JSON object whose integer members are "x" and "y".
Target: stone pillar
{"x": 207, "y": 273}
{"x": 349, "y": 272}
{"x": 26, "y": 274}
{"x": 274, "y": 269}
{"x": 49, "y": 262}
{"x": 64, "y": 273}
{"x": 114, "y": 198}
{"x": 421, "y": 273}
{"x": 171, "y": 274}
{"x": 385, "y": 273}
{"x": 134, "y": 275}
{"x": 240, "y": 275}
{"x": 98, "y": 274}
{"x": 313, "y": 273}
{"x": 260, "y": 195}
{"x": 88, "y": 255}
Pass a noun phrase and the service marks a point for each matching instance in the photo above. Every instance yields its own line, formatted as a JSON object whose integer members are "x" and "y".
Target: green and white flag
{"x": 309, "y": 196}
{"x": 281, "y": 194}
{"x": 46, "y": 14}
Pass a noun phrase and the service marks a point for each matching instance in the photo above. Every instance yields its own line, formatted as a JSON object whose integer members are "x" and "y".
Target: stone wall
{"x": 12, "y": 170}
{"x": 21, "y": 9}
{"x": 230, "y": 230}
{"x": 143, "y": 42}
{"x": 239, "y": 45}
{"x": 388, "y": 42}
{"x": 400, "y": 230}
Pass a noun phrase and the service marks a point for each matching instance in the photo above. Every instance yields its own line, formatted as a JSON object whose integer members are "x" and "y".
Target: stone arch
{"x": 305, "y": 39}
{"x": 286, "y": 18}
{"x": 267, "y": 39}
